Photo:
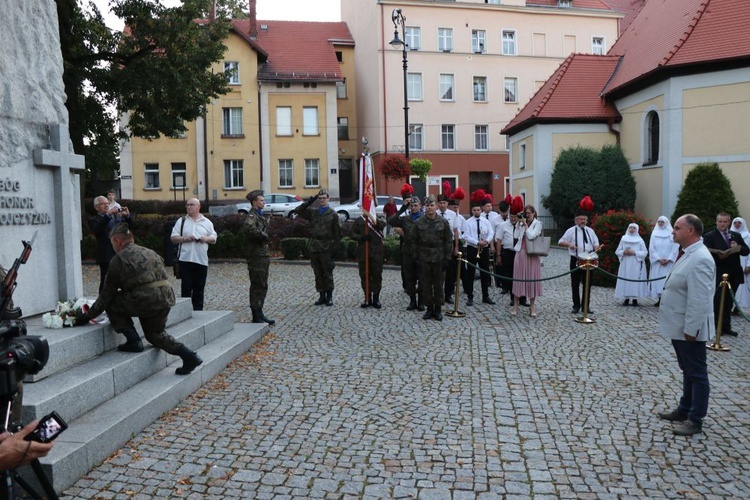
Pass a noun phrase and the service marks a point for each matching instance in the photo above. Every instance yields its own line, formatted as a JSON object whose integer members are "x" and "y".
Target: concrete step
{"x": 80, "y": 388}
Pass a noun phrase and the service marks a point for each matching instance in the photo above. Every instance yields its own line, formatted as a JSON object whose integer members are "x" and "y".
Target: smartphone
{"x": 48, "y": 429}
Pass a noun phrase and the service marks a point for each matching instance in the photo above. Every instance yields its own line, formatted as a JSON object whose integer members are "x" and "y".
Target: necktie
{"x": 477, "y": 232}
{"x": 442, "y": 214}
{"x": 726, "y": 239}
{"x": 515, "y": 240}
{"x": 585, "y": 239}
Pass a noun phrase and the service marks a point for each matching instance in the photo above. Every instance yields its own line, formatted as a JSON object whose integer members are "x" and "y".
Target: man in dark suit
{"x": 101, "y": 224}
{"x": 685, "y": 317}
{"x": 726, "y": 247}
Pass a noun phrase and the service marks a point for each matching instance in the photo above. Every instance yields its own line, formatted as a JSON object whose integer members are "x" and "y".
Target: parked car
{"x": 348, "y": 211}
{"x": 276, "y": 204}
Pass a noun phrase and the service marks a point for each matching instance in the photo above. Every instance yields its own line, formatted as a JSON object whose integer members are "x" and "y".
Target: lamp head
{"x": 396, "y": 42}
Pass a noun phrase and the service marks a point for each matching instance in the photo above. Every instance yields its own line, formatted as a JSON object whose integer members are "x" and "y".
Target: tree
{"x": 158, "y": 71}
{"x": 604, "y": 175}
{"x": 706, "y": 192}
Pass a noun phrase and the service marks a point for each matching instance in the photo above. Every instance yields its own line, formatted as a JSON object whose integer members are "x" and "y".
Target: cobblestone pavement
{"x": 344, "y": 402}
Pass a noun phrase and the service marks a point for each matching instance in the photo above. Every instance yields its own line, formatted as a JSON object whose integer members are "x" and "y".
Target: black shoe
{"x": 504, "y": 292}
{"x": 263, "y": 319}
{"x": 673, "y": 416}
{"x": 470, "y": 301}
{"x": 658, "y": 303}
{"x": 136, "y": 346}
{"x": 412, "y": 303}
{"x": 448, "y": 299}
{"x": 438, "y": 314}
{"x": 420, "y": 305}
{"x": 575, "y": 310}
{"x": 427, "y": 314}
{"x": 321, "y": 300}
{"x": 376, "y": 300}
{"x": 522, "y": 302}
{"x": 730, "y": 333}
{"x": 364, "y": 304}
{"x": 626, "y": 303}
{"x": 512, "y": 303}
{"x": 635, "y": 302}
{"x": 487, "y": 300}
{"x": 329, "y": 298}
{"x": 687, "y": 428}
{"x": 589, "y": 312}
{"x": 190, "y": 360}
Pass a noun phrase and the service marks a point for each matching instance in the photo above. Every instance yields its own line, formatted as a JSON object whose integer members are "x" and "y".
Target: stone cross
{"x": 65, "y": 165}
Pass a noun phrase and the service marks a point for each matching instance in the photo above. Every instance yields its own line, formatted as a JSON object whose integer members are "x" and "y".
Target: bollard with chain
{"x": 716, "y": 346}
{"x": 455, "y": 313}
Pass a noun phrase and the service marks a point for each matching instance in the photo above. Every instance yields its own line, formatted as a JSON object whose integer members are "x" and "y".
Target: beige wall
{"x": 586, "y": 140}
{"x": 648, "y": 185}
{"x": 703, "y": 108}
{"x": 737, "y": 173}
{"x": 515, "y": 167}
{"x": 631, "y": 129}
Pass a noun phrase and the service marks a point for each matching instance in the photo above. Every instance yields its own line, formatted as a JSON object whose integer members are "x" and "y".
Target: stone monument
{"x": 39, "y": 183}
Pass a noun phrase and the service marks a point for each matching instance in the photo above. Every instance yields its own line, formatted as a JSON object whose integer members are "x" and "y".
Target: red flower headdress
{"x": 407, "y": 190}
{"x": 516, "y": 206}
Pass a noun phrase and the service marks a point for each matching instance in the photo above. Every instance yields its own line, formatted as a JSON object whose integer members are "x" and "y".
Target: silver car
{"x": 276, "y": 204}
{"x": 348, "y": 211}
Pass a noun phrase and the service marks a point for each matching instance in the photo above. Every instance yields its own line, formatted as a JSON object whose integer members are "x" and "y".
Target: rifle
{"x": 9, "y": 283}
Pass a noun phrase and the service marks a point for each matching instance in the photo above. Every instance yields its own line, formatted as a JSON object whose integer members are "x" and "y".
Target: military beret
{"x": 254, "y": 194}
{"x": 442, "y": 197}
{"x": 323, "y": 192}
{"x": 120, "y": 228}
{"x": 429, "y": 199}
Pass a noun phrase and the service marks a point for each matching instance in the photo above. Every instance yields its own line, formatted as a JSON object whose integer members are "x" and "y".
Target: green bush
{"x": 609, "y": 228}
{"x": 293, "y": 248}
{"x": 706, "y": 192}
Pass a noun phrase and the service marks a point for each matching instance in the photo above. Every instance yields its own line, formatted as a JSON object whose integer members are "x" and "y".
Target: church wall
{"x": 632, "y": 134}
{"x": 738, "y": 173}
{"x": 648, "y": 185}
{"x": 715, "y": 120}
{"x": 593, "y": 140}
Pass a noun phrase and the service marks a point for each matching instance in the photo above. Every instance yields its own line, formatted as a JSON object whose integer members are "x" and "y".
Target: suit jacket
{"x": 731, "y": 265}
{"x": 686, "y": 305}
{"x": 100, "y": 226}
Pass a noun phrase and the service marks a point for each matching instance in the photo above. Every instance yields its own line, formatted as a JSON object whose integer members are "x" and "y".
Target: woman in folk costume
{"x": 742, "y": 295}
{"x": 526, "y": 267}
{"x": 632, "y": 253}
{"x": 662, "y": 252}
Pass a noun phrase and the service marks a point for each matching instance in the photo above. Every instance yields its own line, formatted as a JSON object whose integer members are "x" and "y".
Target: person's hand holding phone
{"x": 16, "y": 450}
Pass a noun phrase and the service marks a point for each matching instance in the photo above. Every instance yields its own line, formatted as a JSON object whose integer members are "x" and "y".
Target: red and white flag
{"x": 367, "y": 188}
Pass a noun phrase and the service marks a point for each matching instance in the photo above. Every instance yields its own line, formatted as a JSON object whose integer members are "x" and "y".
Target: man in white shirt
{"x": 452, "y": 218}
{"x": 478, "y": 235}
{"x": 579, "y": 239}
{"x": 505, "y": 255}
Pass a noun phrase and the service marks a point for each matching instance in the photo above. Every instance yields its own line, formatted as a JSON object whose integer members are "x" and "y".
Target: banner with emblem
{"x": 367, "y": 198}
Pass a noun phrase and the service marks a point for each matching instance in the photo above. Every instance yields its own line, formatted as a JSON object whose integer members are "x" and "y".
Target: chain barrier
{"x": 737, "y": 306}
{"x": 505, "y": 278}
{"x": 628, "y": 279}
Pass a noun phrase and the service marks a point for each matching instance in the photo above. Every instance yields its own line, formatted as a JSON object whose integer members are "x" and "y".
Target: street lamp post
{"x": 398, "y": 18}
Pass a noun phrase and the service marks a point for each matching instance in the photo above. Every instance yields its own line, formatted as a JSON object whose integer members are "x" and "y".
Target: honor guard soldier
{"x": 371, "y": 269}
{"x": 257, "y": 255}
{"x": 409, "y": 258}
{"x": 434, "y": 240}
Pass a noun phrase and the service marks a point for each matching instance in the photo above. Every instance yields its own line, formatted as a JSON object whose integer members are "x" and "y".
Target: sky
{"x": 284, "y": 10}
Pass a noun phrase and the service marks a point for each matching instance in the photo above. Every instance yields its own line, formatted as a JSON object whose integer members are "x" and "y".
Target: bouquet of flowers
{"x": 70, "y": 313}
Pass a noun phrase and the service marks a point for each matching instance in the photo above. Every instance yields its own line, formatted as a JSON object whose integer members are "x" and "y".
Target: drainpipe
{"x": 611, "y": 127}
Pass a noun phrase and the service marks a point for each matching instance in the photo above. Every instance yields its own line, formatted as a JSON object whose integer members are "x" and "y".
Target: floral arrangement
{"x": 68, "y": 313}
{"x": 394, "y": 167}
{"x": 609, "y": 228}
{"x": 420, "y": 167}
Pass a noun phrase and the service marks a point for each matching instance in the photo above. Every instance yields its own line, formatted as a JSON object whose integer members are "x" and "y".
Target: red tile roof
{"x": 571, "y": 94}
{"x": 674, "y": 33}
{"x": 576, "y": 4}
{"x": 628, "y": 7}
{"x": 299, "y": 50}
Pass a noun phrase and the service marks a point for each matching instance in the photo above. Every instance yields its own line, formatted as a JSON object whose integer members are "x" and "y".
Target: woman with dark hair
{"x": 526, "y": 267}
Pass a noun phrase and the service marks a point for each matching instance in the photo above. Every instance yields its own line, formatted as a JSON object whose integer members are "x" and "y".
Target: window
{"x": 416, "y": 139}
{"x": 413, "y": 37}
{"x": 511, "y": 90}
{"x": 652, "y": 138}
{"x": 446, "y": 87}
{"x": 480, "y": 88}
{"x": 522, "y": 156}
{"x": 480, "y": 138}
{"x": 286, "y": 173}
{"x": 414, "y": 86}
{"x": 179, "y": 176}
{"x": 507, "y": 143}
{"x": 232, "y": 72}
{"x": 597, "y": 45}
{"x": 232, "y": 122}
{"x": 341, "y": 90}
{"x": 509, "y": 43}
{"x": 310, "y": 120}
{"x": 448, "y": 137}
{"x": 339, "y": 56}
{"x": 445, "y": 39}
{"x": 478, "y": 38}
{"x": 233, "y": 174}
{"x": 283, "y": 120}
{"x": 495, "y": 2}
{"x": 312, "y": 173}
{"x": 151, "y": 173}
{"x": 343, "y": 127}
{"x": 564, "y": 4}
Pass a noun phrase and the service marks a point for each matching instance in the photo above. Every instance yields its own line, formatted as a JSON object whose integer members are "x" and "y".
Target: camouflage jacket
{"x": 404, "y": 222}
{"x": 130, "y": 273}
{"x": 325, "y": 231}
{"x": 433, "y": 239}
{"x": 255, "y": 230}
{"x": 358, "y": 232}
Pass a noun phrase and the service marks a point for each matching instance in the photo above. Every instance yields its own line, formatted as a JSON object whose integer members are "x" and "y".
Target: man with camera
{"x": 137, "y": 285}
{"x": 101, "y": 224}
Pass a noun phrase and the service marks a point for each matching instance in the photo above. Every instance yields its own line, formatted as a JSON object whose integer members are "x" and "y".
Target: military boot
{"x": 329, "y": 298}
{"x": 190, "y": 360}
{"x": 412, "y": 303}
{"x": 132, "y": 341}
{"x": 262, "y": 318}
{"x": 428, "y": 313}
{"x": 321, "y": 300}
{"x": 256, "y": 319}
{"x": 420, "y": 305}
{"x": 438, "y": 315}
{"x": 376, "y": 300}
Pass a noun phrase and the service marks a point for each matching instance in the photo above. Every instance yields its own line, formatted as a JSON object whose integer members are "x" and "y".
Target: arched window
{"x": 652, "y": 138}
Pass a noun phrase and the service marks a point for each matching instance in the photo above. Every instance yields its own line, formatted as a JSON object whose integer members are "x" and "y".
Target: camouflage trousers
{"x": 323, "y": 264}
{"x": 375, "y": 271}
{"x": 154, "y": 324}
{"x": 431, "y": 283}
{"x": 410, "y": 271}
{"x": 257, "y": 270}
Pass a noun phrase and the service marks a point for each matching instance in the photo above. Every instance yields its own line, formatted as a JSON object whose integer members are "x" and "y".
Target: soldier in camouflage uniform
{"x": 433, "y": 238}
{"x": 374, "y": 235}
{"x": 325, "y": 233}
{"x": 137, "y": 285}
{"x": 409, "y": 262}
{"x": 255, "y": 230}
